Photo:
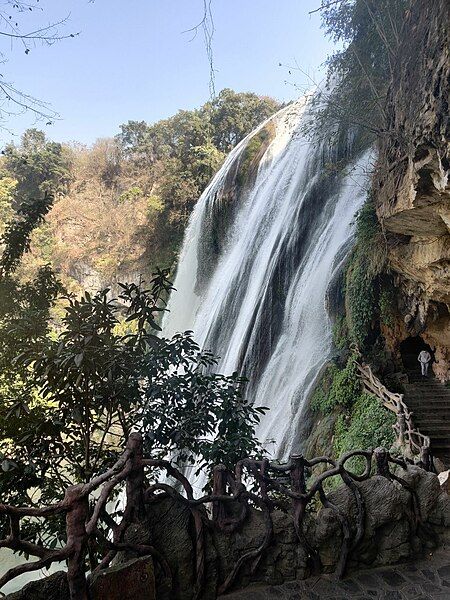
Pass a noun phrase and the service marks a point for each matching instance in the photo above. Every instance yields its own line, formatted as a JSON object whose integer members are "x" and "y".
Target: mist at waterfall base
{"x": 256, "y": 264}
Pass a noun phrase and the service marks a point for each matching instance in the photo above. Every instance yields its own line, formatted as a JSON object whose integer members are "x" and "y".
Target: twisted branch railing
{"x": 253, "y": 483}
{"x": 408, "y": 435}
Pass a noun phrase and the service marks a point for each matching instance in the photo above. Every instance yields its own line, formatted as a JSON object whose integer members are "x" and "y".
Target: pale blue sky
{"x": 133, "y": 61}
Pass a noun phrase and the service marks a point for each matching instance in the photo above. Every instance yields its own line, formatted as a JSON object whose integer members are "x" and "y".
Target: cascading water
{"x": 263, "y": 244}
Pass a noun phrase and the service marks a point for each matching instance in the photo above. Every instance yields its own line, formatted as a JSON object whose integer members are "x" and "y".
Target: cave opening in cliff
{"x": 410, "y": 349}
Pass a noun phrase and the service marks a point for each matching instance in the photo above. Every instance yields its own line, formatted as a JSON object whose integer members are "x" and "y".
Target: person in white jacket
{"x": 424, "y": 358}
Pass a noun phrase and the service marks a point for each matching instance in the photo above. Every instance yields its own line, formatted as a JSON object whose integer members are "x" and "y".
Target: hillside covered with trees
{"x": 120, "y": 206}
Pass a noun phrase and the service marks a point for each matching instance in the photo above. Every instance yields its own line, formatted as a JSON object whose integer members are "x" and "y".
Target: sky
{"x": 133, "y": 59}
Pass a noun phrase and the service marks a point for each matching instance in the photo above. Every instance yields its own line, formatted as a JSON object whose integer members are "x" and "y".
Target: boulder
{"x": 125, "y": 581}
{"x": 54, "y": 587}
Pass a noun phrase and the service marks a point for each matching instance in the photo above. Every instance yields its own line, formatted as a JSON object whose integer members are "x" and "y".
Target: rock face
{"x": 54, "y": 587}
{"x": 411, "y": 184}
{"x": 128, "y": 581}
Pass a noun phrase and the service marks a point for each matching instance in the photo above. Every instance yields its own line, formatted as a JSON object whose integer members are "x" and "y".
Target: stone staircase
{"x": 429, "y": 401}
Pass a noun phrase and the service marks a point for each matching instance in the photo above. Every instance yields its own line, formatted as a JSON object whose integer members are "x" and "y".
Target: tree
{"x": 7, "y": 190}
{"x": 70, "y": 396}
{"x": 359, "y": 74}
{"x": 85, "y": 388}
{"x": 181, "y": 154}
{"x": 234, "y": 115}
{"x": 40, "y": 166}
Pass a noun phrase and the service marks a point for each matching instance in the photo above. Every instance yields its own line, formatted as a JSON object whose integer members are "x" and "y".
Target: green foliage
{"x": 369, "y": 237}
{"x": 39, "y": 166}
{"x": 130, "y": 194}
{"x": 182, "y": 153}
{"x": 386, "y": 303}
{"x": 7, "y": 189}
{"x": 234, "y": 115}
{"x": 360, "y": 300}
{"x": 367, "y": 263}
{"x": 251, "y": 153}
{"x": 96, "y": 382}
{"x": 367, "y": 425}
{"x": 16, "y": 237}
{"x": 338, "y": 388}
{"x": 341, "y": 338}
{"x": 362, "y": 421}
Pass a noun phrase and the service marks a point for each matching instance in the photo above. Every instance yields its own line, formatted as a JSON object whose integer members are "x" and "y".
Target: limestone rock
{"x": 412, "y": 182}
{"x": 54, "y": 587}
{"x": 127, "y": 581}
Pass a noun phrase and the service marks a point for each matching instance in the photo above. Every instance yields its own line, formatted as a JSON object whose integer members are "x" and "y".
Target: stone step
{"x": 432, "y": 427}
{"x": 429, "y": 401}
{"x": 430, "y": 417}
{"x": 427, "y": 391}
{"x": 413, "y": 389}
{"x": 433, "y": 417}
{"x": 440, "y": 407}
{"x": 435, "y": 428}
{"x": 422, "y": 383}
{"x": 410, "y": 402}
{"x": 440, "y": 446}
{"x": 426, "y": 398}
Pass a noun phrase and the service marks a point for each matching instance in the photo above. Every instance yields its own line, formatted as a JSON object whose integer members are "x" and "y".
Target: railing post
{"x": 264, "y": 470}
{"x": 401, "y": 422}
{"x": 425, "y": 458}
{"x": 298, "y": 479}
{"x": 382, "y": 463}
{"x": 76, "y": 517}
{"x": 219, "y": 489}
{"x": 135, "y": 507}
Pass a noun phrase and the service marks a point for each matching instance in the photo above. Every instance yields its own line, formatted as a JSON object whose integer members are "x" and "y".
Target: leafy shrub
{"x": 341, "y": 335}
{"x": 360, "y": 301}
{"x": 368, "y": 425}
{"x": 386, "y": 303}
{"x": 338, "y": 388}
{"x": 362, "y": 282}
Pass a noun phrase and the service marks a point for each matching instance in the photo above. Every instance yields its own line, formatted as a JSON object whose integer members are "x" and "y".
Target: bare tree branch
{"x": 13, "y": 101}
{"x": 206, "y": 25}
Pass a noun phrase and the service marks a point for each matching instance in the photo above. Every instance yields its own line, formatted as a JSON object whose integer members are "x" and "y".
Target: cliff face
{"x": 411, "y": 183}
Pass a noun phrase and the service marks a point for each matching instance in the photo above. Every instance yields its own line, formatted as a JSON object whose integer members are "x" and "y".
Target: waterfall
{"x": 264, "y": 242}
